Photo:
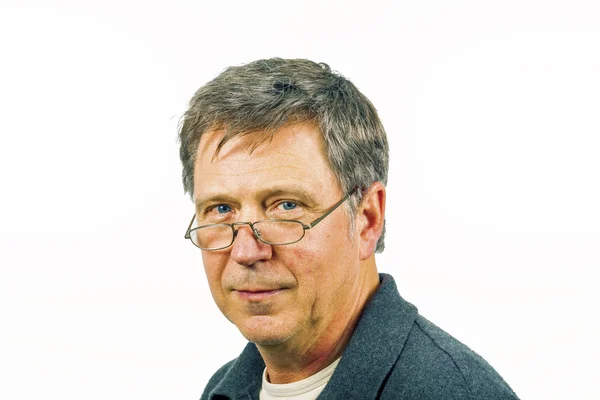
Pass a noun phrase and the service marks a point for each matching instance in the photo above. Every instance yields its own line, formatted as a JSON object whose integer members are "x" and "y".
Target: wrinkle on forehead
{"x": 259, "y": 168}
{"x": 246, "y": 145}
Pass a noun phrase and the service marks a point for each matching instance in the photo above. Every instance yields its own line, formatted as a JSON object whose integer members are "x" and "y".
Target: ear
{"x": 370, "y": 218}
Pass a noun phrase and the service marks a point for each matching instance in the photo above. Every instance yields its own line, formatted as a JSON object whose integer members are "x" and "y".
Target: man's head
{"x": 266, "y": 95}
{"x": 287, "y": 140}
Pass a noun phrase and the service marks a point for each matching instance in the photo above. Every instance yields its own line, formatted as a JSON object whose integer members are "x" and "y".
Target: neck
{"x": 288, "y": 363}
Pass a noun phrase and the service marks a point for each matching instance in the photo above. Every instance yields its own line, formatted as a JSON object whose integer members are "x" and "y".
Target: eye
{"x": 288, "y": 205}
{"x": 223, "y": 209}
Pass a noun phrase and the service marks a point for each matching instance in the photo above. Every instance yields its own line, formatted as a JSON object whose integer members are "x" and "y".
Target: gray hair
{"x": 266, "y": 95}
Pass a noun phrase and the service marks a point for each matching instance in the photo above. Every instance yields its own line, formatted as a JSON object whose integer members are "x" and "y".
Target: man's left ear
{"x": 369, "y": 219}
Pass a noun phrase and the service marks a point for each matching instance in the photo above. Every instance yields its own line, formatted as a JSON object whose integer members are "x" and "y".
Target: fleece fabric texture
{"x": 394, "y": 353}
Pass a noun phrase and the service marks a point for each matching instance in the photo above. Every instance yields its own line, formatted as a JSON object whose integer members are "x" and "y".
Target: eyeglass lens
{"x": 272, "y": 232}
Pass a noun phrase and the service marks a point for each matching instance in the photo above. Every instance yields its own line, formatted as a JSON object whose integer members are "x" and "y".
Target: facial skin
{"x": 297, "y": 302}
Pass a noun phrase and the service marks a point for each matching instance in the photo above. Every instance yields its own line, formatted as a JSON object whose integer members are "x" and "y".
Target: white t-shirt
{"x": 306, "y": 389}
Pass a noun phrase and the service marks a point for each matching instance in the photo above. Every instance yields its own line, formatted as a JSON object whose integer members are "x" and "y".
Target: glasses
{"x": 276, "y": 232}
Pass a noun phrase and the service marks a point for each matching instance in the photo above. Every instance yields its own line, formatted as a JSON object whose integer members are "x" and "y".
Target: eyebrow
{"x": 201, "y": 201}
{"x": 297, "y": 191}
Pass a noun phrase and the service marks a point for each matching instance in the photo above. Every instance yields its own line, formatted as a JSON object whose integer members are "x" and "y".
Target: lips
{"x": 255, "y": 294}
{"x": 255, "y": 290}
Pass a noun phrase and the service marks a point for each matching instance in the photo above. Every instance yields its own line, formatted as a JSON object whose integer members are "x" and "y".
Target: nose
{"x": 247, "y": 249}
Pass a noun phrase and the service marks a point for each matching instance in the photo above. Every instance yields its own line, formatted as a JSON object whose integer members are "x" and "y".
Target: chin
{"x": 266, "y": 341}
{"x": 264, "y": 331}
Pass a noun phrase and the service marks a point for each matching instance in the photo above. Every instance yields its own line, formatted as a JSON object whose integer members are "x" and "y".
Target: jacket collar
{"x": 376, "y": 344}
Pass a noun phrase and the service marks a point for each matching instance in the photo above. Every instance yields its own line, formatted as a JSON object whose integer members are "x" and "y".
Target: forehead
{"x": 293, "y": 158}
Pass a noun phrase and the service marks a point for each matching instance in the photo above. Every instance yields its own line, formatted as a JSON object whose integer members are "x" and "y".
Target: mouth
{"x": 256, "y": 295}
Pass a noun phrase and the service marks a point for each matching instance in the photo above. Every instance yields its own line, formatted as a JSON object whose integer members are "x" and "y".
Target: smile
{"x": 257, "y": 295}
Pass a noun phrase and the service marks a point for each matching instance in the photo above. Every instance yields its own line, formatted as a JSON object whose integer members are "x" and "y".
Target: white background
{"x": 492, "y": 112}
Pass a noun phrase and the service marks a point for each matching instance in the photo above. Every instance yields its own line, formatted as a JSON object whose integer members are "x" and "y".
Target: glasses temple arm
{"x": 332, "y": 209}
{"x": 187, "y": 232}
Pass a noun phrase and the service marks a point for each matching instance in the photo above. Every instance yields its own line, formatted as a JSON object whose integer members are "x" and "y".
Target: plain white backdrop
{"x": 492, "y": 113}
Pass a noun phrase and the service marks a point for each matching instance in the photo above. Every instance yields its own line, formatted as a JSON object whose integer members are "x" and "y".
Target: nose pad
{"x": 255, "y": 232}
{"x": 249, "y": 248}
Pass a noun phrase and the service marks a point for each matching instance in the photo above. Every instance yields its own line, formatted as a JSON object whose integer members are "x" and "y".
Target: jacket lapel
{"x": 244, "y": 377}
{"x": 375, "y": 346}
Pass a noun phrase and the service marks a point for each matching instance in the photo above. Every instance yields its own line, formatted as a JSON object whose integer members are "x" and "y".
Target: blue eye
{"x": 288, "y": 205}
{"x": 223, "y": 208}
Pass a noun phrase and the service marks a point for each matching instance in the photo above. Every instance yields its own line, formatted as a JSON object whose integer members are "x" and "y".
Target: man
{"x": 287, "y": 163}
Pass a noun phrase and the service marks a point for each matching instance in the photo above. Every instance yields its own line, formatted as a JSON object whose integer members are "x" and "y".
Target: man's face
{"x": 277, "y": 294}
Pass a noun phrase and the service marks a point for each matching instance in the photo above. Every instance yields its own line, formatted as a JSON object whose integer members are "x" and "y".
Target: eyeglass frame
{"x": 256, "y": 234}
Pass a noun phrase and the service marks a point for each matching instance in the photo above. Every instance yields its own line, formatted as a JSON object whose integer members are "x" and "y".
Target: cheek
{"x": 311, "y": 266}
{"x": 303, "y": 261}
{"x": 214, "y": 264}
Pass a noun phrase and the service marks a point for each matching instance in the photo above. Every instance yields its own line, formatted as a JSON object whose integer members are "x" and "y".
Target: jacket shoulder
{"x": 434, "y": 365}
